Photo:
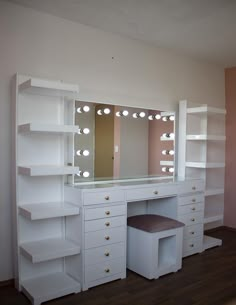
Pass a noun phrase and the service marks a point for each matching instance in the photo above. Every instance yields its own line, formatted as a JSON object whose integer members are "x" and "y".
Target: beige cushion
{"x": 153, "y": 223}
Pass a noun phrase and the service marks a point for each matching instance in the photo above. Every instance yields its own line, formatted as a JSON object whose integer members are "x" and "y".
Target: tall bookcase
{"x": 47, "y": 252}
{"x": 201, "y": 154}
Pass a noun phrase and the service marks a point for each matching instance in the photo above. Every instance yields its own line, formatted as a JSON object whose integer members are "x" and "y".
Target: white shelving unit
{"x": 47, "y": 252}
{"x": 201, "y": 154}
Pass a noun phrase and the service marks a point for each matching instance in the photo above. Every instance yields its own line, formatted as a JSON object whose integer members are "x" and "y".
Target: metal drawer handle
{"x": 107, "y": 237}
{"x": 192, "y": 232}
{"x": 107, "y": 270}
{"x": 107, "y": 212}
{"x": 194, "y": 188}
{"x": 193, "y": 208}
{"x": 192, "y": 245}
{"x": 155, "y": 192}
{"x": 193, "y": 200}
{"x": 107, "y": 197}
{"x": 107, "y": 224}
{"x": 192, "y": 219}
{"x": 107, "y": 254}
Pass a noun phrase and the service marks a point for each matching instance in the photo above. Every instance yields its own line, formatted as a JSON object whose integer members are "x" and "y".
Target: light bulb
{"x": 157, "y": 116}
{"x": 81, "y": 152}
{"x": 168, "y": 118}
{"x": 168, "y": 152}
{"x": 99, "y": 112}
{"x": 84, "y": 131}
{"x": 135, "y": 115}
{"x": 84, "y": 174}
{"x": 122, "y": 113}
{"x": 151, "y": 117}
{"x": 168, "y": 135}
{"x": 172, "y": 118}
{"x": 106, "y": 110}
{"x": 168, "y": 169}
{"x": 83, "y": 109}
{"x": 142, "y": 114}
{"x": 139, "y": 115}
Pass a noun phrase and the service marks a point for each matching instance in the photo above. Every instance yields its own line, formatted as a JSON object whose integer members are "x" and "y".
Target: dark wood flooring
{"x": 208, "y": 278}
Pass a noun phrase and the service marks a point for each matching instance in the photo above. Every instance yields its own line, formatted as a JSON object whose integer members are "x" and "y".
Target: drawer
{"x": 104, "y": 237}
{"x": 151, "y": 192}
{"x": 191, "y": 186}
{"x": 105, "y": 212}
{"x": 191, "y": 246}
{"x": 105, "y": 253}
{"x": 105, "y": 269}
{"x": 189, "y": 208}
{"x": 104, "y": 223}
{"x": 193, "y": 231}
{"x": 191, "y": 218}
{"x": 193, "y": 198}
{"x": 103, "y": 197}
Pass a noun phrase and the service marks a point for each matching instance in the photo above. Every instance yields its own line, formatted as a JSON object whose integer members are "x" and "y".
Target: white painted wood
{"x": 205, "y": 137}
{"x": 167, "y": 163}
{"x": 189, "y": 208}
{"x": 46, "y": 210}
{"x": 206, "y": 109}
{"x": 103, "y": 197}
{"x": 210, "y": 242}
{"x": 209, "y": 219}
{"x": 43, "y": 250}
{"x": 47, "y": 170}
{"x": 150, "y": 192}
{"x": 191, "y": 218}
{"x": 104, "y": 212}
{"x": 191, "y": 246}
{"x": 192, "y": 186}
{"x": 193, "y": 231}
{"x": 47, "y": 128}
{"x": 214, "y": 191}
{"x": 205, "y": 164}
{"x": 48, "y": 287}
{"x": 194, "y": 198}
{"x": 104, "y": 223}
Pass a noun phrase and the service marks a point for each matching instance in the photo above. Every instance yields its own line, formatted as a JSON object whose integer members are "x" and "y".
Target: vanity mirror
{"x": 118, "y": 142}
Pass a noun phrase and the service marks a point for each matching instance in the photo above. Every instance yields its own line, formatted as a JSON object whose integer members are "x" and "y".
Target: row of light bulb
{"x": 168, "y": 169}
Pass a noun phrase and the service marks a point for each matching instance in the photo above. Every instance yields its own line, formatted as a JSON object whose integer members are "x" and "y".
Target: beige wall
{"x": 107, "y": 67}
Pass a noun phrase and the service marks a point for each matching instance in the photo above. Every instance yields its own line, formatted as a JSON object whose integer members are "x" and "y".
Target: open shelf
{"x": 44, "y": 250}
{"x": 47, "y": 170}
{"x": 36, "y": 211}
{"x": 47, "y": 128}
{"x": 210, "y": 242}
{"x": 205, "y": 164}
{"x": 210, "y": 219}
{"x": 167, "y": 139}
{"x": 205, "y": 137}
{"x": 206, "y": 109}
{"x": 49, "y": 287}
{"x": 47, "y": 87}
{"x": 214, "y": 191}
{"x": 167, "y": 163}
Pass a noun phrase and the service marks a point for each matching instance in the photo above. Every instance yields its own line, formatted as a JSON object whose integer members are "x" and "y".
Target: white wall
{"x": 108, "y": 68}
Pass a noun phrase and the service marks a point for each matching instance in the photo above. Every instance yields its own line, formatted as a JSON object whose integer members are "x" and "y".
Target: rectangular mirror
{"x": 118, "y": 142}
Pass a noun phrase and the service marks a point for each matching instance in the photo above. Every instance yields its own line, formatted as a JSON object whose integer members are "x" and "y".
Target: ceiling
{"x": 204, "y": 29}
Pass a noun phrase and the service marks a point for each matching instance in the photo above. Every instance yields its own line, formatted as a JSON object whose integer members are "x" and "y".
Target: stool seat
{"x": 153, "y": 223}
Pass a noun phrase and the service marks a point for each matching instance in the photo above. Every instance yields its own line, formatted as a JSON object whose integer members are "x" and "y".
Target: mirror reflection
{"x": 117, "y": 142}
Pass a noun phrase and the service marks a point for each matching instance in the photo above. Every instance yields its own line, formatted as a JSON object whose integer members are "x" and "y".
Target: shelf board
{"x": 204, "y": 137}
{"x": 47, "y": 128}
{"x": 167, "y": 163}
{"x": 214, "y": 191}
{"x": 48, "y": 249}
{"x": 47, "y": 170}
{"x": 167, "y": 139}
{"x": 36, "y": 211}
{"x": 210, "y": 242}
{"x": 205, "y": 164}
{"x": 206, "y": 109}
{"x": 52, "y": 286}
{"x": 47, "y": 87}
{"x": 210, "y": 219}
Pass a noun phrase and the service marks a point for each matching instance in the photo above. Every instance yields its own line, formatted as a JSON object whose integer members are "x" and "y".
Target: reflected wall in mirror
{"x": 123, "y": 142}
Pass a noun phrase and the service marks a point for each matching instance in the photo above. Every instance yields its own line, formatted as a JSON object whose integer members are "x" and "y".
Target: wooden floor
{"x": 208, "y": 278}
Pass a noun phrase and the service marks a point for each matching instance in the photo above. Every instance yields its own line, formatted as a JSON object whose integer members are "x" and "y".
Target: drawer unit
{"x": 102, "y": 270}
{"x": 191, "y": 218}
{"x": 104, "y": 212}
{"x": 193, "y": 198}
{"x": 104, "y": 223}
{"x": 193, "y": 231}
{"x": 189, "y": 208}
{"x": 105, "y": 253}
{"x": 104, "y": 237}
{"x": 191, "y": 186}
{"x": 91, "y": 198}
{"x": 150, "y": 192}
{"x": 191, "y": 246}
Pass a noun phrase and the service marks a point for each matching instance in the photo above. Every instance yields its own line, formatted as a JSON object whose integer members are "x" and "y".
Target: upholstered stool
{"x": 154, "y": 245}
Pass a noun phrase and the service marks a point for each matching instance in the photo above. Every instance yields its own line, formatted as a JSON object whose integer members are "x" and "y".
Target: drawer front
{"x": 104, "y": 237}
{"x": 194, "y": 198}
{"x": 189, "y": 208}
{"x": 191, "y": 218}
{"x": 104, "y": 254}
{"x": 105, "y": 212}
{"x": 151, "y": 192}
{"x": 191, "y": 186}
{"x": 105, "y": 269}
{"x": 193, "y": 231}
{"x": 104, "y": 223}
{"x": 103, "y": 197}
{"x": 191, "y": 246}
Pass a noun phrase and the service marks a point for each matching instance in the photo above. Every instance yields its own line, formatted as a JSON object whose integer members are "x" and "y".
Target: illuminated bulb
{"x": 122, "y": 113}
{"x": 106, "y": 110}
{"x": 168, "y": 118}
{"x": 81, "y": 152}
{"x": 84, "y": 174}
{"x": 157, "y": 116}
{"x": 168, "y": 169}
{"x": 168, "y": 152}
{"x": 139, "y": 115}
{"x": 99, "y": 112}
{"x": 84, "y": 131}
{"x": 172, "y": 118}
{"x": 135, "y": 115}
{"x": 152, "y": 117}
{"x": 83, "y": 109}
{"x": 142, "y": 114}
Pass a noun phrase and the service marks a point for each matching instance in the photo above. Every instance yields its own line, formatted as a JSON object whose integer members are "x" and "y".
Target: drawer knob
{"x": 107, "y": 237}
{"x": 107, "y": 212}
{"x": 192, "y": 245}
{"x": 107, "y": 270}
{"x": 193, "y": 200}
{"x": 194, "y": 188}
{"x": 192, "y": 219}
{"x": 155, "y": 192}
{"x": 107, "y": 254}
{"x": 192, "y": 232}
{"x": 107, "y": 197}
{"x": 193, "y": 208}
{"x": 107, "y": 224}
